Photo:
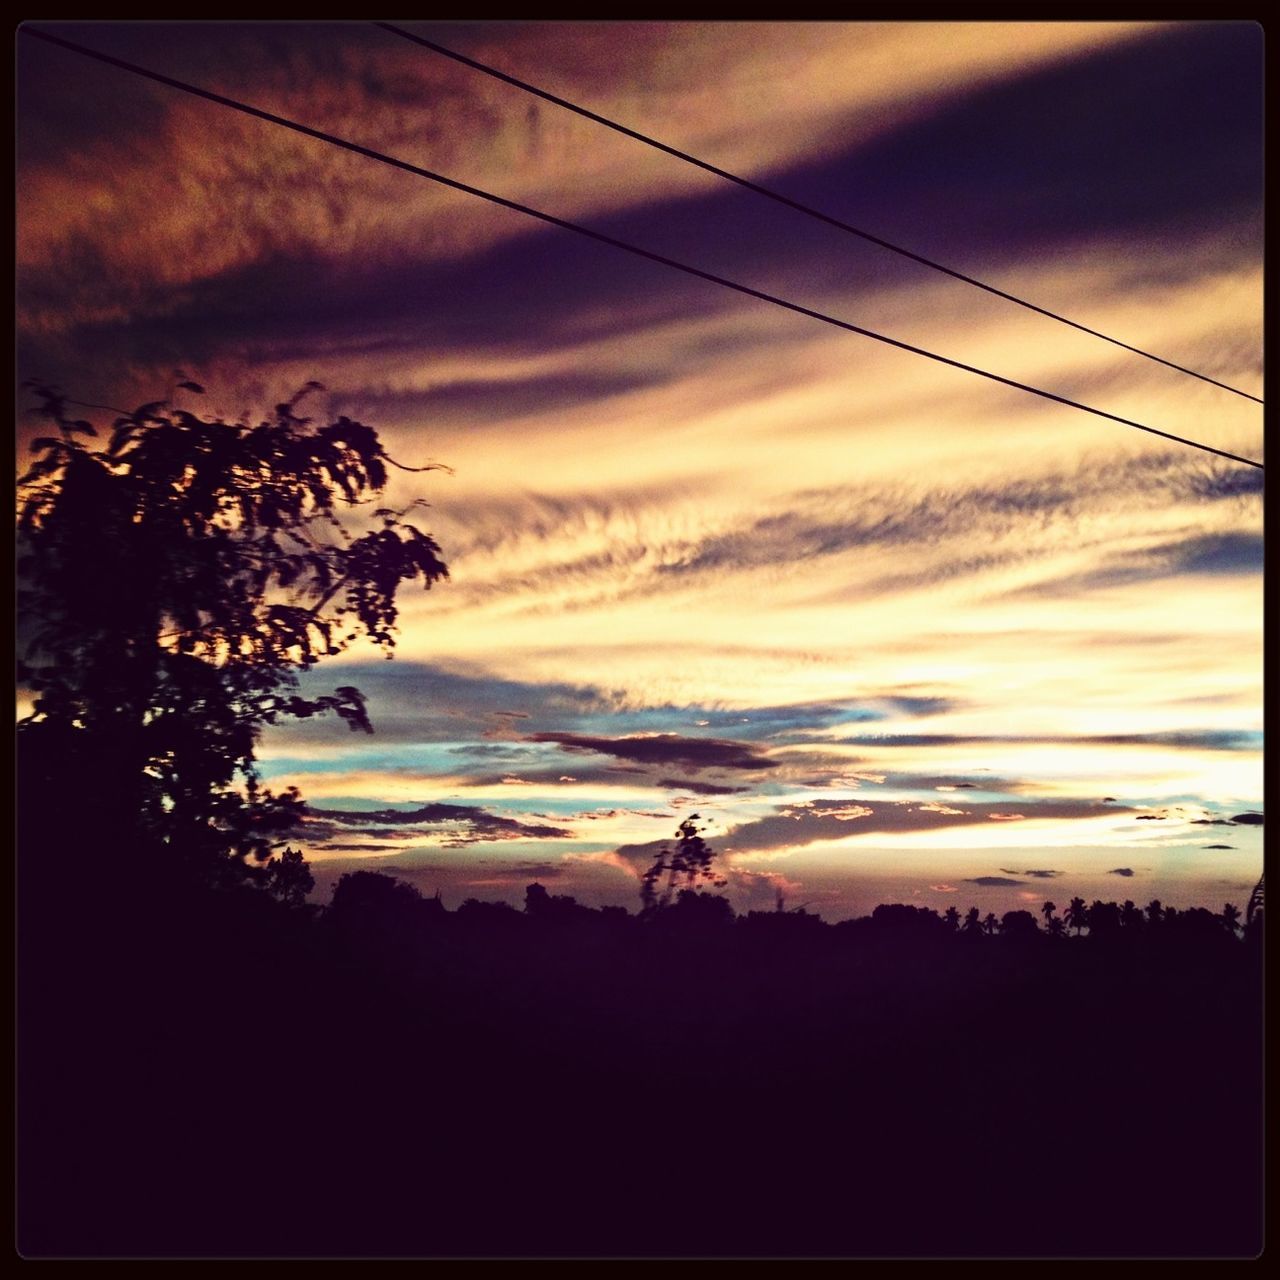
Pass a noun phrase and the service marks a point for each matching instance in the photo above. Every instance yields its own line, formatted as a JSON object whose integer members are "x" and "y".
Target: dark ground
{"x": 214, "y": 1075}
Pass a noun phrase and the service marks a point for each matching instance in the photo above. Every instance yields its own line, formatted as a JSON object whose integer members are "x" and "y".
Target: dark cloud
{"x": 1002, "y": 156}
{"x": 1216, "y": 553}
{"x": 641, "y": 855}
{"x": 817, "y": 820}
{"x": 700, "y": 788}
{"x": 1039, "y": 875}
{"x": 992, "y": 882}
{"x": 1248, "y": 819}
{"x": 1218, "y": 846}
{"x": 1225, "y": 482}
{"x": 871, "y": 518}
{"x": 1120, "y": 871}
{"x": 665, "y": 748}
{"x": 1233, "y": 552}
{"x": 593, "y": 815}
{"x": 464, "y": 824}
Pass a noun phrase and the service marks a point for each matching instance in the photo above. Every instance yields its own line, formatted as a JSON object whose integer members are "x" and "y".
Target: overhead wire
{"x": 601, "y": 237}
{"x": 775, "y": 195}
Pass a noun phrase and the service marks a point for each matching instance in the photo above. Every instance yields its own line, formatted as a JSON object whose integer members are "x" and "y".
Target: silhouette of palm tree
{"x": 1076, "y": 915}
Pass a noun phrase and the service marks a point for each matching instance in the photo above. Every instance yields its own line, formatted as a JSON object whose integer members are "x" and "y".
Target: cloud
{"x": 1039, "y": 875}
{"x": 1228, "y": 552}
{"x": 1218, "y": 846}
{"x": 992, "y": 882}
{"x": 641, "y": 855}
{"x": 1232, "y": 552}
{"x": 463, "y": 824}
{"x": 1120, "y": 871}
{"x": 1248, "y": 819}
{"x": 812, "y": 821}
{"x": 665, "y": 748}
{"x": 1218, "y": 482}
{"x": 700, "y": 788}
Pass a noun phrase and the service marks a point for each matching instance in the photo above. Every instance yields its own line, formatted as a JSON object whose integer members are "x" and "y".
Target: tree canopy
{"x": 686, "y": 867}
{"x": 172, "y": 582}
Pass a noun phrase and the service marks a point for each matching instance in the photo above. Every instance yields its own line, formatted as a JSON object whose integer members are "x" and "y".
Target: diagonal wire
{"x": 777, "y": 196}
{"x": 624, "y": 245}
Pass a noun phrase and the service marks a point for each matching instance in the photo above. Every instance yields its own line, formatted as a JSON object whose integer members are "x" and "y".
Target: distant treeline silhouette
{"x": 376, "y": 894}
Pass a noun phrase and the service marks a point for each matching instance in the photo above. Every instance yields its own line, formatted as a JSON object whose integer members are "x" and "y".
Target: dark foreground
{"x": 216, "y": 1075}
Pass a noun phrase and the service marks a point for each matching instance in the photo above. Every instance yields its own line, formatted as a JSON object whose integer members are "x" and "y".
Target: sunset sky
{"x": 895, "y": 632}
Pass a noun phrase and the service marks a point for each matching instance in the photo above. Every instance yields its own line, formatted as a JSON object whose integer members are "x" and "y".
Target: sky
{"x": 893, "y": 631}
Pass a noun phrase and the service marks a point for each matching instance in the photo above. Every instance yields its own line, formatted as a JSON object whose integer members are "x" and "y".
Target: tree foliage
{"x": 172, "y": 582}
{"x": 686, "y": 867}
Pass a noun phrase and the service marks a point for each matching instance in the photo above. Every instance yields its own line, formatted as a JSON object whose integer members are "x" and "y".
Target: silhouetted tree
{"x": 555, "y": 909}
{"x": 1131, "y": 916}
{"x": 1047, "y": 911}
{"x": 989, "y": 923}
{"x": 288, "y": 878}
{"x": 172, "y": 582}
{"x": 1104, "y": 919}
{"x": 1155, "y": 912}
{"x": 952, "y": 917}
{"x": 1076, "y": 915}
{"x": 903, "y": 919}
{"x": 972, "y": 921}
{"x": 372, "y": 901}
{"x": 701, "y": 909}
{"x": 1230, "y": 918}
{"x": 1018, "y": 924}
{"x": 686, "y": 867}
{"x": 1256, "y": 908}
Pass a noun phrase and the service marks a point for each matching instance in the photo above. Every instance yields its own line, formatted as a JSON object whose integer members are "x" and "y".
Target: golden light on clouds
{"x": 678, "y": 512}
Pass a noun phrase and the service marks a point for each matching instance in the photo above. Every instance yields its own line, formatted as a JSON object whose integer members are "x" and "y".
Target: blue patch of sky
{"x": 395, "y": 689}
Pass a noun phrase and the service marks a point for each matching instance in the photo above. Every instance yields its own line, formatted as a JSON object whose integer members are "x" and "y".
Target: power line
{"x": 624, "y": 245}
{"x": 777, "y": 196}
